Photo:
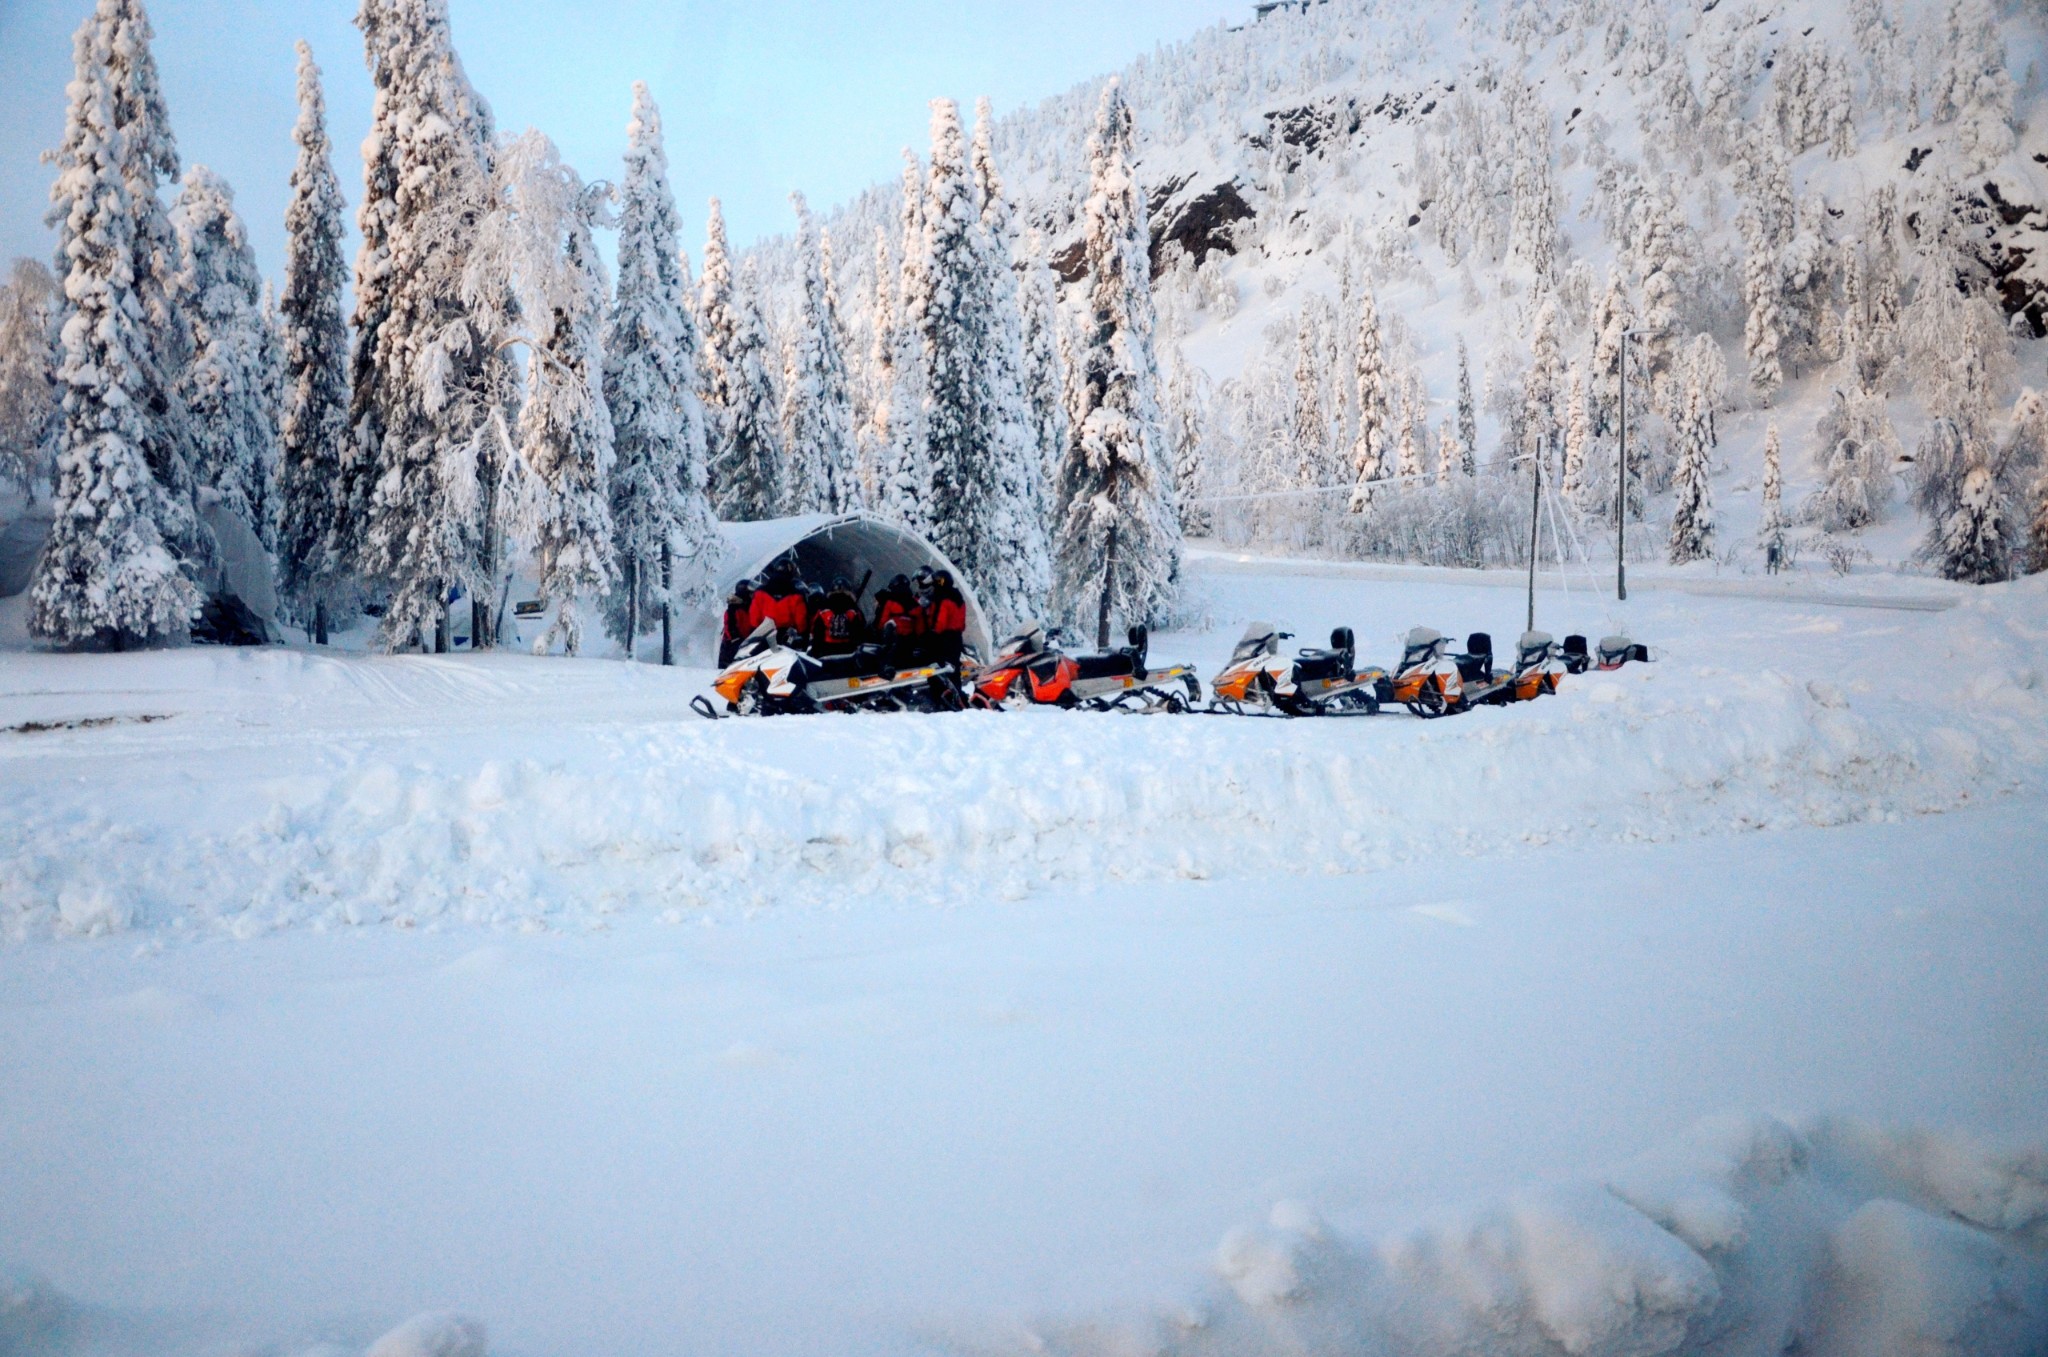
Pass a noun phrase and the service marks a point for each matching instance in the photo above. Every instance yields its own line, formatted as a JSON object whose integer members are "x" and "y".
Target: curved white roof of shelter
{"x": 826, "y": 545}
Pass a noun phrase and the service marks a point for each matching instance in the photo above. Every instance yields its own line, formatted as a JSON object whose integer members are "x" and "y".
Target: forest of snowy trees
{"x": 1336, "y": 282}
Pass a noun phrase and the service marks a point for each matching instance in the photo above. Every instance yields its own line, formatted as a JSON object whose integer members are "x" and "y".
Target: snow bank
{"x": 1749, "y": 1237}
{"x": 547, "y": 823}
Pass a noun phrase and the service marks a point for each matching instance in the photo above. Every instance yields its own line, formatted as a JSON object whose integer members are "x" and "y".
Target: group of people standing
{"x": 919, "y": 618}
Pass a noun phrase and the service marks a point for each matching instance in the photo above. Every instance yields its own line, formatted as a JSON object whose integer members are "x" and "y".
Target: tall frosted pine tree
{"x": 108, "y": 575}
{"x": 747, "y": 472}
{"x": 1692, "y": 515}
{"x": 903, "y": 457}
{"x": 544, "y": 230}
{"x": 1119, "y": 541}
{"x": 986, "y": 502}
{"x": 147, "y": 154}
{"x": 432, "y": 381}
{"x": 314, "y": 426}
{"x": 227, "y": 381}
{"x": 817, "y": 401}
{"x": 1373, "y": 439}
{"x": 664, "y": 535}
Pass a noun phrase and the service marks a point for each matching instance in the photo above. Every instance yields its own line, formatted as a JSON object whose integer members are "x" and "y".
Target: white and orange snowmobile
{"x": 1308, "y": 683}
{"x": 1029, "y": 669}
{"x": 768, "y": 677}
{"x": 1428, "y": 681}
{"x": 1616, "y": 651}
{"x": 1539, "y": 664}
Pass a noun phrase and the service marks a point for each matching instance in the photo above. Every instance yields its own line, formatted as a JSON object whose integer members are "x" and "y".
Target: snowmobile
{"x": 1616, "y": 651}
{"x": 1428, "y": 681}
{"x": 769, "y": 677}
{"x": 1310, "y": 683}
{"x": 1030, "y": 669}
{"x": 1538, "y": 665}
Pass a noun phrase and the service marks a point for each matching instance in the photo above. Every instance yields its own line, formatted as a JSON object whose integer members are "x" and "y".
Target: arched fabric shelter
{"x": 829, "y": 545}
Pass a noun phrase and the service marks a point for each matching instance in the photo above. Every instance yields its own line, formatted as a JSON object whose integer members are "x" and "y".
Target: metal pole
{"x": 1535, "y": 502}
{"x": 1621, "y": 486}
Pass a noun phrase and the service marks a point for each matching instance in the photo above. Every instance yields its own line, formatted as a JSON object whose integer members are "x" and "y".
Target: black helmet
{"x": 943, "y": 579}
{"x": 841, "y": 585}
{"x": 899, "y": 583}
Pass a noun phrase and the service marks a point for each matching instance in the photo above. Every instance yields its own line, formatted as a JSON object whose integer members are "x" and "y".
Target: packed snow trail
{"x": 1056, "y": 1124}
{"x": 293, "y": 789}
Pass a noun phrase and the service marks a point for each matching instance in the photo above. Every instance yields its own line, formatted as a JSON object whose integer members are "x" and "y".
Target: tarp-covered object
{"x": 830, "y": 545}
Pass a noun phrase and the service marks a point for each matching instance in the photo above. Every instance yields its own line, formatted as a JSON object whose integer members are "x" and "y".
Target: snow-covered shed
{"x": 829, "y": 545}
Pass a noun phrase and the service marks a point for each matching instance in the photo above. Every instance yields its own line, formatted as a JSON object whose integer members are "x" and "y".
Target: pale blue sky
{"x": 758, "y": 97}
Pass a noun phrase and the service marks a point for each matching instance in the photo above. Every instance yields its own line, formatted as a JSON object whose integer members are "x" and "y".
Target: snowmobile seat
{"x": 1334, "y": 663}
{"x": 1476, "y": 664}
{"x": 1116, "y": 664}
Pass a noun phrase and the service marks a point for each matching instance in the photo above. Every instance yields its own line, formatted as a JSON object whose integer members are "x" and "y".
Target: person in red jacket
{"x": 948, "y": 611}
{"x": 781, "y": 601}
{"x": 898, "y": 616}
{"x": 739, "y": 621}
{"x": 838, "y": 627}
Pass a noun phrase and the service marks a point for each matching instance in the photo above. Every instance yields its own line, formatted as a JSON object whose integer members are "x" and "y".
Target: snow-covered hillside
{"x": 1674, "y": 166}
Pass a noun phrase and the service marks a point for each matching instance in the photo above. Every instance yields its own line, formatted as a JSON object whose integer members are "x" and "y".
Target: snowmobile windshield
{"x": 759, "y": 639}
{"x": 1023, "y": 643}
{"x": 1258, "y": 639}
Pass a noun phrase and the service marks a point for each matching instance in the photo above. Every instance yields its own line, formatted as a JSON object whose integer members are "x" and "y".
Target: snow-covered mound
{"x": 1748, "y": 1237}
{"x": 249, "y": 792}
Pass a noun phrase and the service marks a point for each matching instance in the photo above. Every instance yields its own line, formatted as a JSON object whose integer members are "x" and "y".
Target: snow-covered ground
{"x": 359, "y": 987}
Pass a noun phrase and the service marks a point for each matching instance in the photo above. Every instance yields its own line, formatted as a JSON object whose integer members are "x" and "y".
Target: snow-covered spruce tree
{"x": 1045, "y": 380}
{"x": 904, "y": 463}
{"x": 1972, "y": 543}
{"x": 1609, "y": 324}
{"x": 1974, "y": 87}
{"x": 1187, "y": 401}
{"x": 1371, "y": 409}
{"x": 1468, "y": 417}
{"x": 1022, "y": 553}
{"x": 1692, "y": 515}
{"x": 1707, "y": 365}
{"x": 29, "y": 407}
{"x": 1662, "y": 261}
{"x": 1543, "y": 389}
{"x": 1408, "y": 450}
{"x": 817, "y": 402}
{"x": 983, "y": 509}
{"x": 1312, "y": 426}
{"x": 1770, "y": 533}
{"x": 665, "y": 538}
{"x": 1763, "y": 330}
{"x": 537, "y": 244}
{"x": 747, "y": 472}
{"x": 1119, "y": 543}
{"x": 313, "y": 426}
{"x": 107, "y": 576}
{"x": 1578, "y": 439}
{"x": 431, "y": 380}
{"x": 752, "y": 479}
{"x": 1855, "y": 451}
{"x": 148, "y": 156}
{"x": 1448, "y": 454}
{"x": 226, "y": 383}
